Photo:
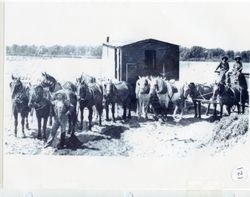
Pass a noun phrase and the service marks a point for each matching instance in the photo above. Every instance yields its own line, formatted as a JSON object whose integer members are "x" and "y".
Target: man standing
{"x": 237, "y": 69}
{"x": 62, "y": 109}
{"x": 224, "y": 67}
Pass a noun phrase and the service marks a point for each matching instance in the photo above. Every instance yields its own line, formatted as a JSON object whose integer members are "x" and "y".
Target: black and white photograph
{"x": 130, "y": 79}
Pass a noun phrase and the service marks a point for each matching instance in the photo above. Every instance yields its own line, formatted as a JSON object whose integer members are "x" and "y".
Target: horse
{"x": 20, "y": 99}
{"x": 90, "y": 95}
{"x": 142, "y": 95}
{"x": 117, "y": 92}
{"x": 42, "y": 106}
{"x": 86, "y": 79}
{"x": 54, "y": 86}
{"x": 239, "y": 82}
{"x": 165, "y": 97}
{"x": 50, "y": 82}
{"x": 198, "y": 92}
{"x": 226, "y": 95}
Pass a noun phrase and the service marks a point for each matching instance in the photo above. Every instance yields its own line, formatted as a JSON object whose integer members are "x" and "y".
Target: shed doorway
{"x": 150, "y": 58}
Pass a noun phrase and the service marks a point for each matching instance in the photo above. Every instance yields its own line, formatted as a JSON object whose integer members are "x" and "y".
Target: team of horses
{"x": 153, "y": 94}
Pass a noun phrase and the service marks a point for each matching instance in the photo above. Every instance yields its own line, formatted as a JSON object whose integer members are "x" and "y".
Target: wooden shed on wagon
{"x": 127, "y": 61}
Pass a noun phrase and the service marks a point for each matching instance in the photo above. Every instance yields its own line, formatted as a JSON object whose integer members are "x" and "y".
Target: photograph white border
{"x": 119, "y": 173}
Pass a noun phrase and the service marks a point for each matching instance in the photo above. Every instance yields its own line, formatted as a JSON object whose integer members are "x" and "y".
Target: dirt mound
{"x": 229, "y": 131}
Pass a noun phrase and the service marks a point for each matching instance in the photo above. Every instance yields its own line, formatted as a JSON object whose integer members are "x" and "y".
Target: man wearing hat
{"x": 224, "y": 68}
{"x": 237, "y": 68}
{"x": 62, "y": 108}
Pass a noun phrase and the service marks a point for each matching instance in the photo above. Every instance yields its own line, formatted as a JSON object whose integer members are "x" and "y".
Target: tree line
{"x": 54, "y": 51}
{"x": 197, "y": 53}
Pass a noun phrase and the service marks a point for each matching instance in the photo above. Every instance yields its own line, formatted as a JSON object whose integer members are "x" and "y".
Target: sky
{"x": 214, "y": 24}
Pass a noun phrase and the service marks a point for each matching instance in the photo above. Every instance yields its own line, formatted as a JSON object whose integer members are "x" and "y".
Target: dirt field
{"x": 142, "y": 138}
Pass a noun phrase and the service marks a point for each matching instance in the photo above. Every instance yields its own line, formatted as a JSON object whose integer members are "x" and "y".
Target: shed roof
{"x": 120, "y": 44}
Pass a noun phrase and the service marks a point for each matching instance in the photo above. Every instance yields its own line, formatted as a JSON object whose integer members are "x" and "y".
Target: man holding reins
{"x": 224, "y": 68}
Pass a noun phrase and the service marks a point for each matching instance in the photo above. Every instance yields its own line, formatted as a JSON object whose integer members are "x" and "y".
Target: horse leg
{"x": 243, "y": 107}
{"x": 124, "y": 111}
{"x": 16, "y": 123}
{"x": 50, "y": 120}
{"x": 228, "y": 109}
{"x": 208, "y": 109}
{"x": 45, "y": 120}
{"x": 215, "y": 110}
{"x": 139, "y": 108}
{"x": 195, "y": 109}
{"x": 129, "y": 110}
{"x": 27, "y": 122}
{"x": 81, "y": 118}
{"x": 199, "y": 109}
{"x": 221, "y": 109}
{"x": 70, "y": 124}
{"x": 23, "y": 121}
{"x": 90, "y": 117}
{"x": 243, "y": 100}
{"x": 238, "y": 107}
{"x": 113, "y": 111}
{"x": 146, "y": 108}
{"x": 99, "y": 110}
{"x": 39, "y": 120}
{"x": 175, "y": 112}
{"x": 50, "y": 115}
{"x": 73, "y": 120}
{"x": 107, "y": 111}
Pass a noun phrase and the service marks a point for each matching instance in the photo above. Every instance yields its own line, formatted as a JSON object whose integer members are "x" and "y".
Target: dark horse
{"x": 226, "y": 95}
{"x": 42, "y": 105}
{"x": 90, "y": 95}
{"x": 20, "y": 99}
{"x": 120, "y": 93}
{"x": 54, "y": 86}
{"x": 239, "y": 82}
{"x": 197, "y": 93}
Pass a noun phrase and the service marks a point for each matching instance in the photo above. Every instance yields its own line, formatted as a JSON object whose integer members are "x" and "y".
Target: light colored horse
{"x": 142, "y": 91}
{"x": 169, "y": 96}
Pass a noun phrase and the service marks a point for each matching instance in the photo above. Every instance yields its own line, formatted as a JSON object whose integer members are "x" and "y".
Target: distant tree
{"x": 55, "y": 50}
{"x": 217, "y": 53}
{"x": 184, "y": 53}
{"x": 69, "y": 50}
{"x": 42, "y": 51}
{"x": 230, "y": 54}
{"x": 82, "y": 50}
{"x": 96, "y": 51}
{"x": 197, "y": 52}
{"x": 245, "y": 56}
